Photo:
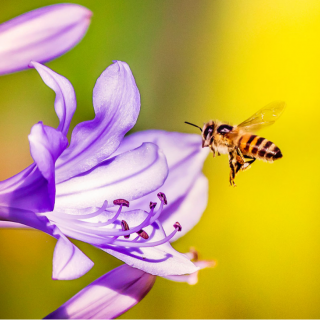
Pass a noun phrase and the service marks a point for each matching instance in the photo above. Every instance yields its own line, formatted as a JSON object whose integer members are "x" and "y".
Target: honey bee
{"x": 239, "y": 142}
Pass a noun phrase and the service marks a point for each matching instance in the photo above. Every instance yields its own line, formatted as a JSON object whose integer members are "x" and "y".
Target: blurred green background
{"x": 195, "y": 61}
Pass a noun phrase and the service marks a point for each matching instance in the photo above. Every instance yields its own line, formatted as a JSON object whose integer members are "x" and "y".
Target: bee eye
{"x": 224, "y": 129}
{"x": 208, "y": 131}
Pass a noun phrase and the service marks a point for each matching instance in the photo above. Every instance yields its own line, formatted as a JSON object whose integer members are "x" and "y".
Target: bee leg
{"x": 248, "y": 163}
{"x": 231, "y": 178}
{"x": 234, "y": 166}
{"x": 240, "y": 156}
{"x": 213, "y": 151}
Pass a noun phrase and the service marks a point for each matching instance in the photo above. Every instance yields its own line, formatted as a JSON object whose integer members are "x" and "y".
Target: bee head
{"x": 207, "y": 134}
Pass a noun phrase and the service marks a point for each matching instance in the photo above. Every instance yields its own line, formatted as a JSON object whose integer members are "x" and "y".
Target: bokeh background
{"x": 193, "y": 60}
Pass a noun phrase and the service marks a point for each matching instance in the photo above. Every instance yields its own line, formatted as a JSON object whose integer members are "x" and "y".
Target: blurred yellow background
{"x": 193, "y": 61}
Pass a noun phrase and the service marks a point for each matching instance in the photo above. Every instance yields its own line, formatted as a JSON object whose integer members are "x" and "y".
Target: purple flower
{"x": 41, "y": 35}
{"x": 78, "y": 191}
{"x": 120, "y": 289}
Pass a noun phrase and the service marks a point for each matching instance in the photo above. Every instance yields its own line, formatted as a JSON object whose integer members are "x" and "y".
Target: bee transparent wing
{"x": 264, "y": 117}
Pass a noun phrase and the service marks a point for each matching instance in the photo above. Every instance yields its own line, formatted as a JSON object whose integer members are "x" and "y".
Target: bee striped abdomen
{"x": 258, "y": 147}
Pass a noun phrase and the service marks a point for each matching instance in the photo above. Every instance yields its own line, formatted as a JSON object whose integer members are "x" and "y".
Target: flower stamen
{"x": 152, "y": 205}
{"x": 148, "y": 243}
{"x": 178, "y": 226}
{"x": 125, "y": 227}
{"x": 162, "y": 197}
{"x": 111, "y": 234}
{"x": 119, "y": 202}
{"x": 143, "y": 234}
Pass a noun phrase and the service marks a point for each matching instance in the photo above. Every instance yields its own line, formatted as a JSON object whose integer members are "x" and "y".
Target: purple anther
{"x": 152, "y": 205}
{"x": 120, "y": 202}
{"x": 125, "y": 227}
{"x": 143, "y": 234}
{"x": 162, "y": 197}
{"x": 177, "y": 225}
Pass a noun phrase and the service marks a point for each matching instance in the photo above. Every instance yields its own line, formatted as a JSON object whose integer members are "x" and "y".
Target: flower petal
{"x": 128, "y": 176}
{"x": 192, "y": 278}
{"x": 68, "y": 261}
{"x": 65, "y": 103}
{"x": 116, "y": 101}
{"x": 41, "y": 35}
{"x": 108, "y": 297}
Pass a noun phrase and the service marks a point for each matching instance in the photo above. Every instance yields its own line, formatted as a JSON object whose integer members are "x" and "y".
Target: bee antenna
{"x": 191, "y": 124}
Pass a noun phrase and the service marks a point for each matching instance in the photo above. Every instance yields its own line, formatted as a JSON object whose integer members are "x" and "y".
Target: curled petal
{"x": 46, "y": 145}
{"x": 129, "y": 176}
{"x": 65, "y": 103}
{"x": 116, "y": 102}
{"x": 41, "y": 35}
{"x": 108, "y": 297}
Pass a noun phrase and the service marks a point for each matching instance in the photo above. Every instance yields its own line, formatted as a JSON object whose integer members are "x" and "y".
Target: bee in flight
{"x": 239, "y": 142}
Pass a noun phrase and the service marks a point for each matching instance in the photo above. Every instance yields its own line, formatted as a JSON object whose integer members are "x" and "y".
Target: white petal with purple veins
{"x": 129, "y": 176}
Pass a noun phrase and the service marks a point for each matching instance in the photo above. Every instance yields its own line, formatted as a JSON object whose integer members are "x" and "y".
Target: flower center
{"x": 105, "y": 229}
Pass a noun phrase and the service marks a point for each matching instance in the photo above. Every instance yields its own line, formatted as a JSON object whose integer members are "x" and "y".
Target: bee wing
{"x": 264, "y": 117}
